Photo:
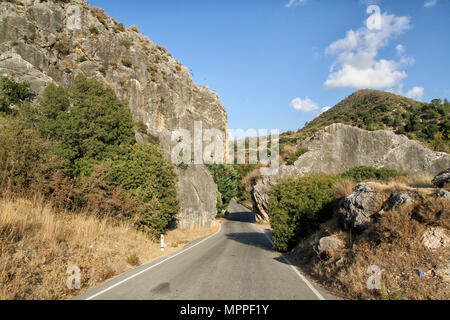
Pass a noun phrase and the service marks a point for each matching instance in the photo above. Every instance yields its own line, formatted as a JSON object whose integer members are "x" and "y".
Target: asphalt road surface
{"x": 237, "y": 263}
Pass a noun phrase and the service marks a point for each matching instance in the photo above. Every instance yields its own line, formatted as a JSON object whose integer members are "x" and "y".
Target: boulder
{"x": 435, "y": 238}
{"x": 399, "y": 199}
{"x": 356, "y": 211}
{"x": 40, "y": 44}
{"x": 442, "y": 194}
{"x": 328, "y": 244}
{"x": 442, "y": 179}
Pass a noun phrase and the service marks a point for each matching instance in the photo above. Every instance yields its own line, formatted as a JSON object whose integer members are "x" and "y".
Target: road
{"x": 237, "y": 263}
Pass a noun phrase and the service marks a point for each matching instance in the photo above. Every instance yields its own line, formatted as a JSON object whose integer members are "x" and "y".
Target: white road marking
{"x": 153, "y": 266}
{"x": 314, "y": 290}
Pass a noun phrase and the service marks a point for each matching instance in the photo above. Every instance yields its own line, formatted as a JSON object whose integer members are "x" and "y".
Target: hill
{"x": 372, "y": 110}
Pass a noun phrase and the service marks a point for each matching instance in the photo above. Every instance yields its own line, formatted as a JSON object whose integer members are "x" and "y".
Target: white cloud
{"x": 430, "y": 3}
{"x": 356, "y": 56}
{"x": 400, "y": 49}
{"x": 325, "y": 109}
{"x": 295, "y": 3}
{"x": 306, "y": 105}
{"x": 415, "y": 93}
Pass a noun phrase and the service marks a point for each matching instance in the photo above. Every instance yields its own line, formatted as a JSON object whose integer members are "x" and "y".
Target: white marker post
{"x": 162, "y": 243}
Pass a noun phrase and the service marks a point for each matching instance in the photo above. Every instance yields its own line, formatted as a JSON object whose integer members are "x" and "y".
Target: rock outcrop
{"x": 442, "y": 179}
{"x": 52, "y": 41}
{"x": 435, "y": 238}
{"x": 339, "y": 147}
{"x": 356, "y": 210}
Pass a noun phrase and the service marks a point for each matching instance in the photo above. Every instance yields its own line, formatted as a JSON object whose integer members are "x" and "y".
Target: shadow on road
{"x": 241, "y": 217}
{"x": 254, "y": 239}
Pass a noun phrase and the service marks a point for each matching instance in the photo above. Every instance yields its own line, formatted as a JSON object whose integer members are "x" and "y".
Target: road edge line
{"x": 305, "y": 280}
{"x": 153, "y": 266}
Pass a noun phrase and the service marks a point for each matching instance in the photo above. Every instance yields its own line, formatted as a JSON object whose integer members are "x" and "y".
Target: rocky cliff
{"x": 338, "y": 148}
{"x": 52, "y": 41}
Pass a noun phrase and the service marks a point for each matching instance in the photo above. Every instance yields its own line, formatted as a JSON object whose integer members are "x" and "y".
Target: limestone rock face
{"x": 41, "y": 43}
{"x": 338, "y": 148}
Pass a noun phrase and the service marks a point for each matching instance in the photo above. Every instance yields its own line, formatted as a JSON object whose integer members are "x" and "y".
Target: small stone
{"x": 329, "y": 243}
{"x": 435, "y": 238}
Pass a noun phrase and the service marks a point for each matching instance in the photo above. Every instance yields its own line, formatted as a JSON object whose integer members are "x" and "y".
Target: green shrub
{"x": 299, "y": 153}
{"x": 133, "y": 260}
{"x": 226, "y": 179}
{"x": 62, "y": 48}
{"x": 150, "y": 181}
{"x": 93, "y": 30}
{"x": 12, "y": 95}
{"x": 88, "y": 120}
{"x": 95, "y": 192}
{"x": 363, "y": 173}
{"x": 126, "y": 43}
{"x": 141, "y": 127}
{"x": 298, "y": 206}
{"x": 82, "y": 59}
{"x": 243, "y": 194}
{"x": 127, "y": 62}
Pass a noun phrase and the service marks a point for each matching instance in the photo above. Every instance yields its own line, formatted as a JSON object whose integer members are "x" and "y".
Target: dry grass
{"x": 421, "y": 181}
{"x": 394, "y": 245}
{"x": 38, "y": 245}
{"x": 344, "y": 188}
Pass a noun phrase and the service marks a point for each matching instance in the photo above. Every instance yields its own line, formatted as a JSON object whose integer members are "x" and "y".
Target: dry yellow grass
{"x": 37, "y": 245}
{"x": 344, "y": 188}
{"x": 421, "y": 181}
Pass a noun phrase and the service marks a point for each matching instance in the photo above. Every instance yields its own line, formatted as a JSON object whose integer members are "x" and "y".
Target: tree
{"x": 89, "y": 121}
{"x": 12, "y": 94}
{"x": 226, "y": 179}
{"x": 142, "y": 171}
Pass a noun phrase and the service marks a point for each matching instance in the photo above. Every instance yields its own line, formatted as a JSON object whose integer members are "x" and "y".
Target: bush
{"x": 244, "y": 170}
{"x": 298, "y": 206}
{"x": 359, "y": 174}
{"x": 226, "y": 179}
{"x": 88, "y": 120}
{"x": 100, "y": 196}
{"x": 151, "y": 182}
{"x": 299, "y": 153}
{"x": 108, "y": 174}
{"x": 93, "y": 30}
{"x": 27, "y": 162}
{"x": 12, "y": 94}
{"x": 127, "y": 62}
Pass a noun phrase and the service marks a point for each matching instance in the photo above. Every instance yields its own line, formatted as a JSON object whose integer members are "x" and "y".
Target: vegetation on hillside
{"x": 428, "y": 123}
{"x": 226, "y": 178}
{"x": 76, "y": 147}
{"x": 410, "y": 269}
{"x": 39, "y": 242}
{"x": 299, "y": 205}
{"x": 244, "y": 183}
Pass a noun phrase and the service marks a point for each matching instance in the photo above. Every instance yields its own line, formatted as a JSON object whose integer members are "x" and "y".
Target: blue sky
{"x": 278, "y": 63}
